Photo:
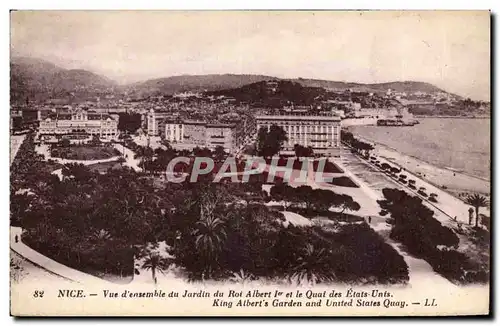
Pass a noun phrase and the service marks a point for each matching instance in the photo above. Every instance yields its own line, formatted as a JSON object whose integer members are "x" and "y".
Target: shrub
{"x": 109, "y": 258}
{"x": 363, "y": 253}
{"x": 457, "y": 267}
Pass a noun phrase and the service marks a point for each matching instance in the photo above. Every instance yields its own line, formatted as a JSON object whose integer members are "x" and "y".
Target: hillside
{"x": 194, "y": 83}
{"x": 277, "y": 95}
{"x": 403, "y": 86}
{"x": 35, "y": 80}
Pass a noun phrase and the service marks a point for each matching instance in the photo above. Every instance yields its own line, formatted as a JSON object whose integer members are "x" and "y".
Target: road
{"x": 15, "y": 144}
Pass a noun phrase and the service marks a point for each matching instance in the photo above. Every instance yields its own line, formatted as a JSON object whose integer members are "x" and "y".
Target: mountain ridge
{"x": 32, "y": 77}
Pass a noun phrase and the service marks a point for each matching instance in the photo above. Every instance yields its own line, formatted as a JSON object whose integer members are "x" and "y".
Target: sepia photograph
{"x": 250, "y": 163}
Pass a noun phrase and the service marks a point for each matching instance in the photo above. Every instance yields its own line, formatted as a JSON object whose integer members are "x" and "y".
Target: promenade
{"x": 455, "y": 181}
{"x": 48, "y": 264}
{"x": 15, "y": 143}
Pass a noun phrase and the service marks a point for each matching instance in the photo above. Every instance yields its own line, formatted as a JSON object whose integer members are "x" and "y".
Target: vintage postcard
{"x": 250, "y": 163}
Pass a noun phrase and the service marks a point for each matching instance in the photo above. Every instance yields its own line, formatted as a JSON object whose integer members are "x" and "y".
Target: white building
{"x": 174, "y": 131}
{"x": 322, "y": 133}
{"x": 80, "y": 122}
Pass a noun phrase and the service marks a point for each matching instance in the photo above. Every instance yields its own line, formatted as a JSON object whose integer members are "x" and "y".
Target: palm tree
{"x": 312, "y": 266}
{"x": 155, "y": 263}
{"x": 477, "y": 201}
{"x": 101, "y": 235}
{"x": 241, "y": 277}
{"x": 210, "y": 236}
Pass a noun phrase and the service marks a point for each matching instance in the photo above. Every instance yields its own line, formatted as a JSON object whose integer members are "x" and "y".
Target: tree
{"x": 95, "y": 141}
{"x": 305, "y": 194}
{"x": 301, "y": 151}
{"x": 477, "y": 201}
{"x": 145, "y": 154}
{"x": 202, "y": 152}
{"x": 129, "y": 122}
{"x": 64, "y": 142}
{"x": 155, "y": 263}
{"x": 19, "y": 205}
{"x": 285, "y": 193}
{"x": 312, "y": 266}
{"x": 219, "y": 153}
{"x": 414, "y": 224}
{"x": 270, "y": 143}
{"x": 347, "y": 203}
{"x": 210, "y": 236}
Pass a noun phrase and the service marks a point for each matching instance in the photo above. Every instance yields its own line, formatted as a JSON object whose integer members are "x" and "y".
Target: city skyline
{"x": 453, "y": 47}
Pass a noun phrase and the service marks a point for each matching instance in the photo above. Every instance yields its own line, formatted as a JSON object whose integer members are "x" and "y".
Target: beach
{"x": 454, "y": 153}
{"x": 454, "y": 181}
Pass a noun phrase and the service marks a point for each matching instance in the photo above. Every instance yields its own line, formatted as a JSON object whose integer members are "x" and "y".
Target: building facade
{"x": 322, "y": 133}
{"x": 155, "y": 122}
{"x": 174, "y": 131}
{"x": 80, "y": 122}
{"x": 195, "y": 133}
{"x": 221, "y": 134}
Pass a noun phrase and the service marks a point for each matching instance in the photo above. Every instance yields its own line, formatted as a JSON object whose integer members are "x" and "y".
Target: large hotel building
{"x": 321, "y": 132}
{"x": 80, "y": 122}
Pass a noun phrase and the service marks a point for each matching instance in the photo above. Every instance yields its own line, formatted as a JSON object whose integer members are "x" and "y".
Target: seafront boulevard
{"x": 454, "y": 181}
{"x": 447, "y": 207}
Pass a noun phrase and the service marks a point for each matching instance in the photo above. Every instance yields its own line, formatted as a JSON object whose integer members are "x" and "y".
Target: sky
{"x": 450, "y": 49}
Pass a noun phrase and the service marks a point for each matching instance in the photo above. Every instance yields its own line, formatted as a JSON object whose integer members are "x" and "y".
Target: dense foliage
{"x": 313, "y": 201}
{"x": 414, "y": 225}
{"x": 102, "y": 223}
{"x": 84, "y": 152}
{"x": 270, "y": 142}
{"x": 129, "y": 122}
{"x": 358, "y": 145}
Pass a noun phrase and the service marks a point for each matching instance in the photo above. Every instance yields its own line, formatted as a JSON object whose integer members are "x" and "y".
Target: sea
{"x": 453, "y": 143}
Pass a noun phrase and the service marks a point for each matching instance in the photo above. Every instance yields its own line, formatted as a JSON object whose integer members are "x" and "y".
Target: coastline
{"x": 453, "y": 116}
{"x": 456, "y": 181}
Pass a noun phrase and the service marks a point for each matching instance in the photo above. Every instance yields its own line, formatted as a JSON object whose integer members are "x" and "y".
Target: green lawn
{"x": 84, "y": 152}
{"x": 103, "y": 167}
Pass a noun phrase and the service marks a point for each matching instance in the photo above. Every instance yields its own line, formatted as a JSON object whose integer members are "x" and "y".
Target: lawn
{"x": 84, "y": 152}
{"x": 103, "y": 167}
{"x": 344, "y": 182}
{"x": 330, "y": 167}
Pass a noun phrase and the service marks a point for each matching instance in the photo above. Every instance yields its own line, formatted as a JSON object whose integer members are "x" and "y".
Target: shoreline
{"x": 451, "y": 117}
{"x": 456, "y": 181}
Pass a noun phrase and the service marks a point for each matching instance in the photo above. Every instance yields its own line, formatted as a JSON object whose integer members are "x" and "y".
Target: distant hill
{"x": 398, "y": 86}
{"x": 278, "y": 94}
{"x": 36, "y": 79}
{"x": 200, "y": 83}
{"x": 194, "y": 83}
